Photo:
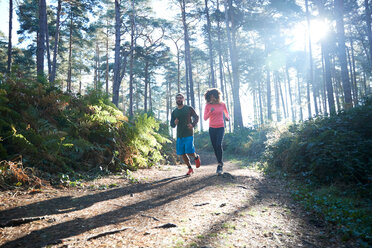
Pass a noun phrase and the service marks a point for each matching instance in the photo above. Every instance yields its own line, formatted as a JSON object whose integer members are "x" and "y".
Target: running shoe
{"x": 190, "y": 172}
{"x": 219, "y": 169}
{"x": 197, "y": 161}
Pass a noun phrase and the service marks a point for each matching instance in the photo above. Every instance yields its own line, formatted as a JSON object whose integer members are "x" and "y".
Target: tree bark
{"x": 220, "y": 51}
{"x": 324, "y": 87}
{"x": 268, "y": 96}
{"x": 69, "y": 57}
{"x": 52, "y": 76}
{"x": 339, "y": 11}
{"x": 282, "y": 98}
{"x": 369, "y": 31}
{"x": 231, "y": 34}
{"x": 214, "y": 85}
{"x": 41, "y": 39}
{"x": 299, "y": 96}
{"x": 290, "y": 94}
{"x": 47, "y": 45}
{"x": 9, "y": 64}
{"x": 189, "y": 79}
{"x": 311, "y": 69}
{"x": 117, "y": 81}
{"x": 95, "y": 79}
{"x": 356, "y": 98}
{"x": 132, "y": 27}
{"x": 146, "y": 83}
{"x": 107, "y": 58}
{"x": 327, "y": 66}
{"x": 260, "y": 103}
{"x": 277, "y": 98}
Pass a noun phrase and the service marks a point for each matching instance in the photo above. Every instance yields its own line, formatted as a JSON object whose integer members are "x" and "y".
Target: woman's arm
{"x": 207, "y": 112}
{"x": 227, "y": 116}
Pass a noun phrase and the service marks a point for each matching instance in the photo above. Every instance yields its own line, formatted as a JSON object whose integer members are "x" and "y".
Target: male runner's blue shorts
{"x": 185, "y": 145}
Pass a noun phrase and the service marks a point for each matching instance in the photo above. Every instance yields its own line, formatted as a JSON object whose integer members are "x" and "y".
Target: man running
{"x": 185, "y": 118}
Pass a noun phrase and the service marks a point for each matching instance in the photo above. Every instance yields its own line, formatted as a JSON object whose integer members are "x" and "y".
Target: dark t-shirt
{"x": 185, "y": 116}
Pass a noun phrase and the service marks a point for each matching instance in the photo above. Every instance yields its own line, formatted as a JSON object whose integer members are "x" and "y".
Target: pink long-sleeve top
{"x": 216, "y": 115}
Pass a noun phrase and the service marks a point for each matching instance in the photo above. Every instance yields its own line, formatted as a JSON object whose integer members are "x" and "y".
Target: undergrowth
{"x": 59, "y": 133}
{"x": 328, "y": 160}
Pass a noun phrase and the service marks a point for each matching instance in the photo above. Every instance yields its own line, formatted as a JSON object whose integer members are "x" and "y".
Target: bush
{"x": 328, "y": 150}
{"x": 246, "y": 142}
{"x": 60, "y": 133}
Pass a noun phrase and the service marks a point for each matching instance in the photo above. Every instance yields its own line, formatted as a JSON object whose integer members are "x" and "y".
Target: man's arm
{"x": 173, "y": 118}
{"x": 195, "y": 117}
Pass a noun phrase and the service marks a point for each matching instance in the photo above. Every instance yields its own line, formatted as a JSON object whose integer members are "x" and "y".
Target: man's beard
{"x": 179, "y": 103}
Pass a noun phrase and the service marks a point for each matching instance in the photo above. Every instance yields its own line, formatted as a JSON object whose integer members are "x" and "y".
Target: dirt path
{"x": 243, "y": 208}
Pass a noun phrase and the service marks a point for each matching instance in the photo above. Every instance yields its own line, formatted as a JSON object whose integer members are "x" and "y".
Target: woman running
{"x": 215, "y": 111}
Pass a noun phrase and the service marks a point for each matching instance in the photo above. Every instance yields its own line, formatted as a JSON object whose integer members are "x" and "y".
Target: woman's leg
{"x": 219, "y": 138}
{"x": 213, "y": 136}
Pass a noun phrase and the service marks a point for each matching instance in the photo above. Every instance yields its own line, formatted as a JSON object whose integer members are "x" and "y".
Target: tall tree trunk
{"x": 369, "y": 31}
{"x": 189, "y": 80}
{"x": 352, "y": 69}
{"x": 132, "y": 26}
{"x": 10, "y": 36}
{"x": 255, "y": 108}
{"x": 228, "y": 103}
{"x": 290, "y": 94}
{"x": 282, "y": 98}
{"x": 299, "y": 96}
{"x": 268, "y": 87}
{"x": 285, "y": 96}
{"x": 210, "y": 44}
{"x": 47, "y": 46}
{"x": 324, "y": 86}
{"x": 351, "y": 76}
{"x": 69, "y": 73}
{"x": 41, "y": 39}
{"x": 327, "y": 65}
{"x": 277, "y": 97}
{"x": 311, "y": 69}
{"x": 52, "y": 75}
{"x": 260, "y": 103}
{"x": 107, "y": 58}
{"x": 95, "y": 79}
{"x": 117, "y": 76}
{"x": 366, "y": 88}
{"x": 150, "y": 96}
{"x": 220, "y": 50}
{"x": 200, "y": 104}
{"x": 178, "y": 64}
{"x": 268, "y": 96}
{"x": 231, "y": 34}
{"x": 146, "y": 83}
{"x": 339, "y": 11}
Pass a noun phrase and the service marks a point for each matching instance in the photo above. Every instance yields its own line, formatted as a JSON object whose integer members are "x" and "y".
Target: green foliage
{"x": 246, "y": 142}
{"x": 329, "y": 159}
{"x": 60, "y": 133}
{"x": 351, "y": 216}
{"x": 327, "y": 150}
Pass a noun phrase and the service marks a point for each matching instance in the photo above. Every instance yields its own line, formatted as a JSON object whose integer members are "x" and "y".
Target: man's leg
{"x": 187, "y": 162}
{"x": 186, "y": 159}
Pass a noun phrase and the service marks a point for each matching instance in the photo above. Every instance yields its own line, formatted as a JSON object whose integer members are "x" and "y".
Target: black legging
{"x": 216, "y": 135}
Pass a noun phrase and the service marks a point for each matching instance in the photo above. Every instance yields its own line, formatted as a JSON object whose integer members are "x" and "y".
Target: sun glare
{"x": 299, "y": 34}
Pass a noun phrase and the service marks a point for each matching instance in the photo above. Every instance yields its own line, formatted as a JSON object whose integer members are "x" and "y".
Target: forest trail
{"x": 164, "y": 208}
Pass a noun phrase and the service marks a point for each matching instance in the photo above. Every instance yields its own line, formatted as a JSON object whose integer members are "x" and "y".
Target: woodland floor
{"x": 242, "y": 208}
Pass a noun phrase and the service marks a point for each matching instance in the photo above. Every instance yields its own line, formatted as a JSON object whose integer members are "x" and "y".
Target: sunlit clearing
{"x": 299, "y": 36}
